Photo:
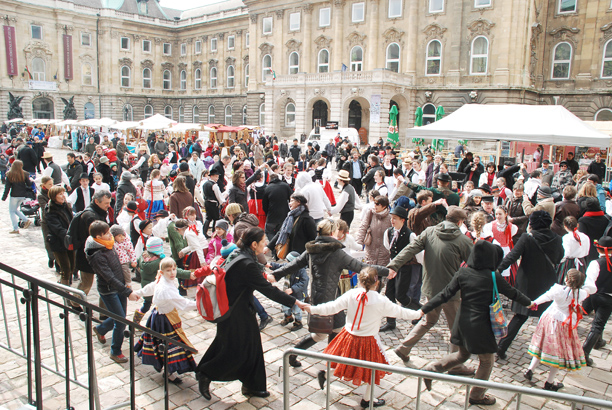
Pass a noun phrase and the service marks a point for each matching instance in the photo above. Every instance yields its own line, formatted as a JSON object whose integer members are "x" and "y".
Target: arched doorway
{"x": 319, "y": 112}
{"x": 391, "y": 104}
{"x": 354, "y": 117}
{"x": 42, "y": 109}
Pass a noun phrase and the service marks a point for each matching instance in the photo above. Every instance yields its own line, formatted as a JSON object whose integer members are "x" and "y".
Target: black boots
{"x": 303, "y": 344}
{"x": 390, "y": 325}
{"x": 588, "y": 345}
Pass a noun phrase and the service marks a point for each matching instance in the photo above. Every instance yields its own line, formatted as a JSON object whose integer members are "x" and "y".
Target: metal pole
{"x": 66, "y": 353}
{"x": 91, "y": 360}
{"x": 467, "y": 396}
{"x": 518, "y": 401}
{"x": 26, "y": 301}
{"x": 8, "y": 335}
{"x": 36, "y": 340}
{"x": 372, "y": 384}
{"x": 166, "y": 398}
{"x": 23, "y": 349}
{"x": 327, "y": 374}
{"x": 132, "y": 372}
{"x": 286, "y": 381}
{"x": 418, "y": 397}
{"x": 51, "y": 331}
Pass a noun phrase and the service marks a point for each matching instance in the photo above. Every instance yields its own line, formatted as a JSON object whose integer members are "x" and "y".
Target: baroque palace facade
{"x": 283, "y": 64}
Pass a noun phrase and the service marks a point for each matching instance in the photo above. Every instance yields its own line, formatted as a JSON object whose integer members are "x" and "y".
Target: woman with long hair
{"x": 57, "y": 216}
{"x": 18, "y": 185}
{"x": 181, "y": 198}
{"x": 503, "y": 231}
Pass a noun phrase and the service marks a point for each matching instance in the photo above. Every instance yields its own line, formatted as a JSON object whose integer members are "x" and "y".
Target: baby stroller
{"x": 30, "y": 207}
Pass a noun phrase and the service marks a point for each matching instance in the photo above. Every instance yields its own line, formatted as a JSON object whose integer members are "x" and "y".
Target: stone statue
{"x": 70, "y": 112}
{"x": 14, "y": 108}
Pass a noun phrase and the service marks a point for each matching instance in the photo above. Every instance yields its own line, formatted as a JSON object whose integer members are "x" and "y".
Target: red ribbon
{"x": 194, "y": 228}
{"x": 576, "y": 236}
{"x": 362, "y": 298}
{"x": 574, "y": 308}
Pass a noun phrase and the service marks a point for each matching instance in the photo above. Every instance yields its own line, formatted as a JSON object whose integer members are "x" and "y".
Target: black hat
{"x": 144, "y": 224}
{"x": 540, "y": 220}
{"x": 132, "y": 206}
{"x": 214, "y": 171}
{"x": 487, "y": 198}
{"x": 400, "y": 211}
{"x": 546, "y": 161}
{"x": 604, "y": 242}
{"x": 84, "y": 175}
{"x": 562, "y": 163}
{"x": 443, "y": 177}
{"x": 162, "y": 213}
{"x": 485, "y": 188}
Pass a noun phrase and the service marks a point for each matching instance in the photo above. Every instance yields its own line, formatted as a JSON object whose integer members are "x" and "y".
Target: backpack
{"x": 73, "y": 239}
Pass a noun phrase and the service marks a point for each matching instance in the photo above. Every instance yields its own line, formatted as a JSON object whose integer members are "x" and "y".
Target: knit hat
{"x": 292, "y": 256}
{"x": 155, "y": 246}
{"x": 112, "y": 164}
{"x": 540, "y": 220}
{"x": 591, "y": 204}
{"x": 223, "y": 224}
{"x": 103, "y": 160}
{"x": 544, "y": 191}
{"x": 144, "y": 224}
{"x": 132, "y": 206}
{"x": 117, "y": 230}
{"x": 126, "y": 176}
{"x": 228, "y": 248}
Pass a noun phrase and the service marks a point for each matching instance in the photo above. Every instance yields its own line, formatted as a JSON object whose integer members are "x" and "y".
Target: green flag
{"x": 393, "y": 133}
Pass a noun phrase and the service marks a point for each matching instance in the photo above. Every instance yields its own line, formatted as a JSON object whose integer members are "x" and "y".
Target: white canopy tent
{"x": 156, "y": 122}
{"x": 546, "y": 124}
{"x": 124, "y": 125}
{"x": 183, "y": 127}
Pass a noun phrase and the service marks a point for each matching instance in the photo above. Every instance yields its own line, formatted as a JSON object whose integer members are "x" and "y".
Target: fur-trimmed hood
{"x": 323, "y": 246}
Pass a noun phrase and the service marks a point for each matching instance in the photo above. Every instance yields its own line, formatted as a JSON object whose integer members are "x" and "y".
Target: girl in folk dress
{"x": 503, "y": 231}
{"x": 196, "y": 241}
{"x": 322, "y": 175}
{"x": 478, "y": 222}
{"x": 380, "y": 185}
{"x": 256, "y": 193}
{"x": 359, "y": 338}
{"x": 165, "y": 319}
{"x": 388, "y": 169}
{"x": 154, "y": 193}
{"x": 576, "y": 246}
{"x": 555, "y": 342}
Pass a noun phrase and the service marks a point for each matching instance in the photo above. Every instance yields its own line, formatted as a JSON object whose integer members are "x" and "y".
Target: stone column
{"x": 372, "y": 12}
{"x": 307, "y": 57}
{"x": 338, "y": 26}
{"x": 411, "y": 51}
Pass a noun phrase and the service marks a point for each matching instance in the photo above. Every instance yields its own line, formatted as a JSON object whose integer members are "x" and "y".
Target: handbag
{"x": 317, "y": 323}
{"x": 499, "y": 325}
{"x": 367, "y": 241}
{"x": 282, "y": 250}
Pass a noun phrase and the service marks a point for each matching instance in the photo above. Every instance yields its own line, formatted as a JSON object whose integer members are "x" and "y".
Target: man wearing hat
{"x": 80, "y": 198}
{"x": 105, "y": 169}
{"x": 562, "y": 178}
{"x": 212, "y": 199}
{"x": 54, "y": 171}
{"x": 488, "y": 207}
{"x": 547, "y": 172}
{"x": 442, "y": 191}
{"x": 544, "y": 202}
{"x": 347, "y": 201}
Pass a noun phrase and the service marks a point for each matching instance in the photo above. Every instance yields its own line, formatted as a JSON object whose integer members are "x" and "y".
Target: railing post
{"x": 91, "y": 360}
{"x": 327, "y": 375}
{"x": 286, "y": 381}
{"x": 65, "y": 317}
{"x": 166, "y": 398}
{"x": 36, "y": 340}
{"x": 418, "y": 397}
{"x": 467, "y": 396}
{"x": 518, "y": 401}
{"x": 28, "y": 348}
{"x": 372, "y": 384}
{"x": 132, "y": 372}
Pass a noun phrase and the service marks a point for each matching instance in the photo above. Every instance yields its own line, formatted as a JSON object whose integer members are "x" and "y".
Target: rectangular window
{"x": 436, "y": 6}
{"x": 294, "y": 21}
{"x": 36, "y": 32}
{"x": 247, "y": 40}
{"x": 146, "y": 46}
{"x": 325, "y": 17}
{"x": 231, "y": 42}
{"x": 267, "y": 25}
{"x": 213, "y": 44}
{"x": 358, "y": 12}
{"x": 482, "y": 3}
{"x": 198, "y": 47}
{"x": 395, "y": 8}
{"x": 125, "y": 43}
{"x": 85, "y": 39}
{"x": 183, "y": 49}
{"x": 567, "y": 6}
{"x": 167, "y": 49}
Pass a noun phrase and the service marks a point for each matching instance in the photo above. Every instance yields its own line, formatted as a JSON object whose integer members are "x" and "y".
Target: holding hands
{"x": 303, "y": 306}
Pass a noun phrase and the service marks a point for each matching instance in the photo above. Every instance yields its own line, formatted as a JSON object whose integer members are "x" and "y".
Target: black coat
{"x": 18, "y": 189}
{"x": 348, "y": 166}
{"x": 535, "y": 273}
{"x": 236, "y": 352}
{"x": 472, "y": 327}
{"x": 275, "y": 201}
{"x": 221, "y": 169}
{"x": 124, "y": 187}
{"x": 304, "y": 231}
{"x": 508, "y": 174}
{"x": 593, "y": 227}
{"x": 92, "y": 213}
{"x": 57, "y": 218}
{"x": 368, "y": 179}
{"x": 237, "y": 195}
{"x": 74, "y": 172}
{"x": 107, "y": 267}
{"x": 28, "y": 156}
{"x": 105, "y": 170}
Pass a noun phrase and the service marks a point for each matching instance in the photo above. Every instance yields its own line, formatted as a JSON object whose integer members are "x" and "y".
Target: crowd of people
{"x": 279, "y": 216}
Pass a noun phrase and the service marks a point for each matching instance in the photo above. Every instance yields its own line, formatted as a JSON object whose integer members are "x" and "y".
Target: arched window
{"x": 429, "y": 114}
{"x": 90, "y": 111}
{"x": 211, "y": 114}
{"x": 605, "y": 114}
{"x": 294, "y": 63}
{"x": 393, "y": 57}
{"x": 197, "y": 79}
{"x": 213, "y": 78}
{"x": 146, "y": 78}
{"x": 480, "y": 55}
{"x": 290, "y": 115}
{"x": 246, "y": 75}
{"x": 196, "y": 114}
{"x": 181, "y": 114}
{"x": 228, "y": 115}
{"x": 606, "y": 65}
{"x": 128, "y": 113}
{"x": 38, "y": 69}
{"x": 357, "y": 59}
{"x": 168, "y": 112}
{"x": 244, "y": 115}
{"x": 230, "y": 76}
{"x": 148, "y": 111}
{"x": 434, "y": 57}
{"x": 125, "y": 76}
{"x": 266, "y": 66}
{"x": 323, "y": 61}
{"x": 167, "y": 80}
{"x": 562, "y": 57}
{"x": 262, "y": 114}
{"x": 183, "y": 80}
{"x": 86, "y": 74}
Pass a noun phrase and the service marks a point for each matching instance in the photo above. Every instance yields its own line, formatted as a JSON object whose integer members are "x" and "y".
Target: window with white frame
{"x": 246, "y": 75}
{"x": 197, "y": 77}
{"x": 480, "y": 56}
{"x": 181, "y": 114}
{"x": 231, "y": 42}
{"x": 87, "y": 74}
{"x": 267, "y": 25}
{"x": 294, "y": 21}
{"x": 244, "y": 115}
{"x": 436, "y": 6}
{"x": 167, "y": 49}
{"x": 606, "y": 65}
{"x": 38, "y": 69}
{"x": 358, "y": 12}
{"x": 124, "y": 43}
{"x": 167, "y": 76}
{"x": 125, "y": 76}
{"x": 262, "y": 114}
{"x": 266, "y": 66}
{"x": 395, "y": 8}
{"x": 183, "y": 82}
{"x": 128, "y": 113}
{"x": 36, "y": 32}
{"x": 146, "y": 46}
{"x": 168, "y": 112}
{"x": 146, "y": 78}
{"x": 323, "y": 61}
{"x": 228, "y": 115}
{"x": 434, "y": 58}
{"x": 89, "y": 111}
{"x": 213, "y": 44}
{"x": 290, "y": 115}
{"x": 567, "y": 6}
{"x": 230, "y": 77}
{"x": 482, "y": 3}
{"x": 247, "y": 39}
{"x": 198, "y": 47}
{"x": 211, "y": 114}
{"x": 393, "y": 57}
{"x": 196, "y": 114}
{"x": 325, "y": 17}
{"x": 429, "y": 114}
{"x": 148, "y": 111}
{"x": 183, "y": 49}
{"x": 562, "y": 57}
{"x": 605, "y": 114}
{"x": 357, "y": 59}
{"x": 86, "y": 39}
{"x": 294, "y": 63}
{"x": 213, "y": 78}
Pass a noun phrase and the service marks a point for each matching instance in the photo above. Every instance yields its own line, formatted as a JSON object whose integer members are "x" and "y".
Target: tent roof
{"x": 156, "y": 122}
{"x": 548, "y": 124}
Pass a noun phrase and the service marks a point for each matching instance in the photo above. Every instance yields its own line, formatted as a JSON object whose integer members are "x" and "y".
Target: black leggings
{"x": 347, "y": 217}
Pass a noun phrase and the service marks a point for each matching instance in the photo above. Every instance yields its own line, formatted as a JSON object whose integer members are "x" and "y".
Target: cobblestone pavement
{"x": 26, "y": 253}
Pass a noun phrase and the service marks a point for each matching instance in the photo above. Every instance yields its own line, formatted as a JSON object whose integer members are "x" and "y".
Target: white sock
{"x": 367, "y": 397}
{"x": 534, "y": 363}
{"x": 551, "y": 375}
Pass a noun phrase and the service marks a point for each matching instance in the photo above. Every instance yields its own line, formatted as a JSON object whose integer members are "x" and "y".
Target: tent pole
{"x": 550, "y": 155}
{"x": 498, "y": 154}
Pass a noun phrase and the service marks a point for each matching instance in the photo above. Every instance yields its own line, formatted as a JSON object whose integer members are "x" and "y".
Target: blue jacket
{"x": 298, "y": 281}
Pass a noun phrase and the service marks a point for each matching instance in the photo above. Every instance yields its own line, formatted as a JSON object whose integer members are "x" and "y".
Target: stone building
{"x": 284, "y": 64}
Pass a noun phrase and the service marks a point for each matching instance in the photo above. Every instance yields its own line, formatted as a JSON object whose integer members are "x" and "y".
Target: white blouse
{"x": 561, "y": 297}
{"x": 166, "y": 296}
{"x": 572, "y": 248}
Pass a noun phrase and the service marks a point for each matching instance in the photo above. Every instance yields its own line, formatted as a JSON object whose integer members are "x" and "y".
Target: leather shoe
{"x": 322, "y": 379}
{"x": 387, "y": 327}
{"x": 248, "y": 392}
{"x": 501, "y": 355}
{"x": 405, "y": 358}
{"x": 528, "y": 374}
{"x": 462, "y": 371}
{"x": 600, "y": 343}
{"x": 265, "y": 322}
{"x": 293, "y": 361}
{"x": 553, "y": 386}
{"x": 427, "y": 384}
{"x": 377, "y": 403}
{"x": 204, "y": 387}
{"x": 485, "y": 401}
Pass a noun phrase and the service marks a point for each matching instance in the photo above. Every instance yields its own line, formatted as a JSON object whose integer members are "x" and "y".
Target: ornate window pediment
{"x": 323, "y": 42}
{"x": 293, "y": 45}
{"x": 434, "y": 30}
{"x": 182, "y": 66}
{"x": 38, "y": 49}
{"x": 197, "y": 64}
{"x": 147, "y": 63}
{"x": 393, "y": 35}
{"x": 212, "y": 62}
{"x": 565, "y": 33}
{"x": 125, "y": 61}
{"x": 266, "y": 48}
{"x": 356, "y": 38}
{"x": 167, "y": 66}
{"x": 246, "y": 59}
{"x": 230, "y": 61}
{"x": 607, "y": 33}
{"x": 480, "y": 27}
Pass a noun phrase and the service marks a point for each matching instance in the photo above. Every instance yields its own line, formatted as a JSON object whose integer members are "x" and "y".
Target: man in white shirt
{"x": 80, "y": 198}
{"x": 318, "y": 202}
{"x": 54, "y": 171}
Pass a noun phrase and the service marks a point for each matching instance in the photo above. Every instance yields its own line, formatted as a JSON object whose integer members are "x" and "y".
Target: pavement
{"x": 26, "y": 253}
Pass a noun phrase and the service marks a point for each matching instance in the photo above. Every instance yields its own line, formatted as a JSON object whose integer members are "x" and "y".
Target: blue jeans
{"x": 14, "y": 211}
{"x": 118, "y": 305}
{"x": 261, "y": 312}
{"x": 294, "y": 310}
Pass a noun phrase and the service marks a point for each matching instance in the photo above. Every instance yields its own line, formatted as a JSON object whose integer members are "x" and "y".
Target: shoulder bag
{"x": 283, "y": 249}
{"x": 499, "y": 325}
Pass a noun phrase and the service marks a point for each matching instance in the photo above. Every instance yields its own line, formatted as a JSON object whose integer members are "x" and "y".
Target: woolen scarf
{"x": 285, "y": 230}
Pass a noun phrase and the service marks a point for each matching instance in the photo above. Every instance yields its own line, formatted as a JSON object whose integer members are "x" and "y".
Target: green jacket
{"x": 451, "y": 198}
{"x": 177, "y": 242}
{"x": 149, "y": 266}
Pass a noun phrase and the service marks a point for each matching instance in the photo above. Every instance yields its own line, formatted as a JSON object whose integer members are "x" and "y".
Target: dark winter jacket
{"x": 275, "y": 201}
{"x": 237, "y": 195}
{"x": 368, "y": 178}
{"x": 105, "y": 170}
{"x": 57, "y": 219}
{"x": 107, "y": 267}
{"x": 564, "y": 209}
{"x": 74, "y": 172}
{"x": 92, "y": 213}
{"x": 303, "y": 231}
{"x": 593, "y": 227}
{"x": 219, "y": 167}
{"x": 18, "y": 189}
{"x": 516, "y": 211}
{"x": 125, "y": 187}
{"x": 28, "y": 156}
{"x": 298, "y": 281}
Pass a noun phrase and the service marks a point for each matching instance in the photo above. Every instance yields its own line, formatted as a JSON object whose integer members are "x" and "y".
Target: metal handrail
{"x": 422, "y": 374}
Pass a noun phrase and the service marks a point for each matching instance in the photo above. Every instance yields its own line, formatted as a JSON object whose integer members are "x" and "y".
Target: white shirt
{"x": 166, "y": 296}
{"x": 561, "y": 297}
{"x": 592, "y": 274}
{"x": 318, "y": 201}
{"x": 419, "y": 256}
{"x": 195, "y": 243}
{"x": 531, "y": 186}
{"x": 419, "y": 177}
{"x": 352, "y": 247}
{"x": 101, "y": 187}
{"x": 160, "y": 229}
{"x": 572, "y": 248}
{"x": 47, "y": 172}
{"x": 86, "y": 198}
{"x": 342, "y": 200}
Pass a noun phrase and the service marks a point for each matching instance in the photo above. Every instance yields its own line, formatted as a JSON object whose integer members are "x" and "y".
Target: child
{"x": 192, "y": 255}
{"x": 111, "y": 284}
{"x": 576, "y": 246}
{"x": 124, "y": 218}
{"x": 80, "y": 198}
{"x": 145, "y": 231}
{"x": 468, "y": 187}
{"x": 350, "y": 244}
{"x": 114, "y": 173}
{"x": 124, "y": 248}
{"x": 149, "y": 266}
{"x": 503, "y": 231}
{"x": 165, "y": 320}
{"x": 297, "y": 286}
{"x": 162, "y": 220}
{"x": 359, "y": 337}
{"x": 98, "y": 185}
{"x": 189, "y": 213}
{"x": 555, "y": 341}
{"x": 215, "y": 245}
{"x": 154, "y": 193}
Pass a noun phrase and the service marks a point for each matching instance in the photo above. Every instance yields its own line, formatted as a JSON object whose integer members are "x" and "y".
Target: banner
{"x": 11, "y": 50}
{"x": 67, "y": 57}
{"x": 375, "y": 109}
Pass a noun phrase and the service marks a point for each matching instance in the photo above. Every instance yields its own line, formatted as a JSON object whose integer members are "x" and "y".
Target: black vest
{"x": 56, "y": 174}
{"x": 402, "y": 241}
{"x": 79, "y": 204}
{"x": 134, "y": 234}
{"x": 350, "y": 204}
{"x": 604, "y": 280}
{"x": 207, "y": 190}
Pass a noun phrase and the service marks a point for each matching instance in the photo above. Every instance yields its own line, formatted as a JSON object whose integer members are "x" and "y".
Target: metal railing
{"x": 422, "y": 374}
{"x": 43, "y": 298}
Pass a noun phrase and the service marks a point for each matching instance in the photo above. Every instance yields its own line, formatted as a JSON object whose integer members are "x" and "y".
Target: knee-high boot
{"x": 589, "y": 343}
{"x": 303, "y": 344}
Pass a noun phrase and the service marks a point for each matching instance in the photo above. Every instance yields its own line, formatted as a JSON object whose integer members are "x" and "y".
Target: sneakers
{"x": 286, "y": 320}
{"x": 297, "y": 325}
{"x": 100, "y": 337}
{"x": 27, "y": 224}
{"x": 16, "y": 231}
{"x": 119, "y": 358}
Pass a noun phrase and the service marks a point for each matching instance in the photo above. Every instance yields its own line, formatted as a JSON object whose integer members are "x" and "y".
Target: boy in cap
{"x": 124, "y": 248}
{"x": 162, "y": 220}
{"x": 80, "y": 198}
{"x": 488, "y": 207}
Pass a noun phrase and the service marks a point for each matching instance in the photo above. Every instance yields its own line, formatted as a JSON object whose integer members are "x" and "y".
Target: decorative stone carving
{"x": 564, "y": 34}
{"x": 253, "y": 18}
{"x": 212, "y": 63}
{"x": 607, "y": 33}
{"x": 293, "y": 45}
{"x": 230, "y": 61}
{"x": 434, "y": 30}
{"x": 307, "y": 8}
{"x": 319, "y": 91}
{"x": 355, "y": 39}
{"x": 167, "y": 65}
{"x": 322, "y": 42}
{"x": 197, "y": 64}
{"x": 480, "y": 27}
{"x": 147, "y": 63}
{"x": 473, "y": 95}
{"x": 339, "y": 3}
{"x": 266, "y": 48}
{"x": 536, "y": 30}
{"x": 38, "y": 49}
{"x": 182, "y": 66}
{"x": 280, "y": 14}
{"x": 239, "y": 32}
{"x": 393, "y": 35}
{"x": 205, "y": 38}
{"x": 114, "y": 34}
{"x": 220, "y": 36}
{"x": 246, "y": 59}
{"x": 428, "y": 95}
{"x": 158, "y": 40}
{"x": 64, "y": 27}
{"x": 125, "y": 61}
